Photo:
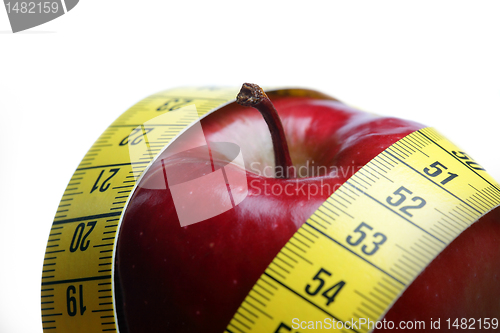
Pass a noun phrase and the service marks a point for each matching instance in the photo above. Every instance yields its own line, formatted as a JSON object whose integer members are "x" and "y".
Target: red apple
{"x": 171, "y": 278}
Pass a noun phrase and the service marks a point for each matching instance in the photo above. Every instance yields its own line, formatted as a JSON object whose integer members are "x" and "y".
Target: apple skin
{"x": 463, "y": 281}
{"x": 192, "y": 279}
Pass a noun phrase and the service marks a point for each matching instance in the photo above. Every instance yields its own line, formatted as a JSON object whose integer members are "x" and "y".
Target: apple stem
{"x": 254, "y": 96}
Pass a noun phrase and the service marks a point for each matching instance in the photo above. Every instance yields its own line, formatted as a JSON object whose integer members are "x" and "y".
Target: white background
{"x": 64, "y": 82}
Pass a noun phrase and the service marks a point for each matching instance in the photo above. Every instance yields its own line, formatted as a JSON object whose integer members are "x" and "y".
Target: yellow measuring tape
{"x": 350, "y": 260}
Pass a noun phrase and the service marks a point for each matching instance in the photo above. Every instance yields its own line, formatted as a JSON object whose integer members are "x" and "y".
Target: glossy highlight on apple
{"x": 220, "y": 178}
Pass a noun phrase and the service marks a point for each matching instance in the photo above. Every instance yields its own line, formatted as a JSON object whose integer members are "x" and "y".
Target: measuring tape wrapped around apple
{"x": 194, "y": 213}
